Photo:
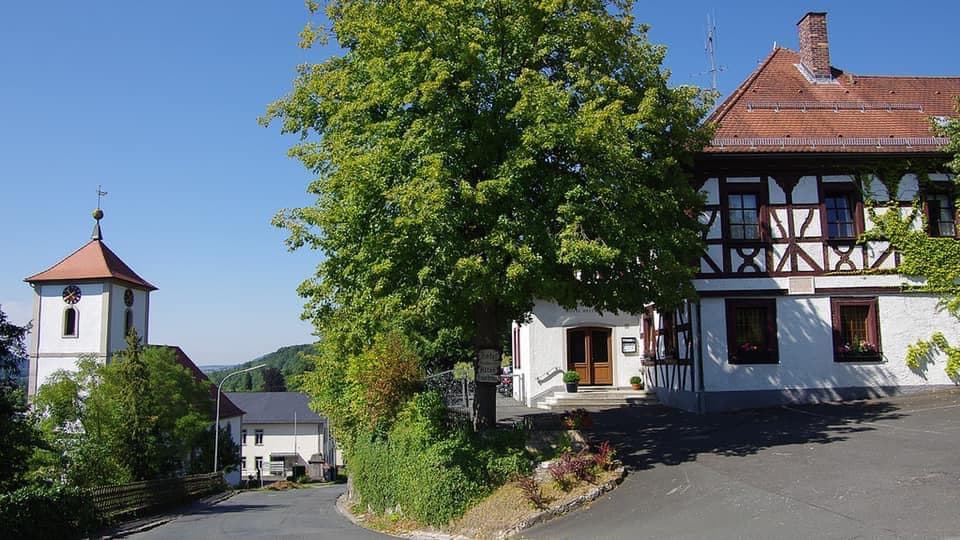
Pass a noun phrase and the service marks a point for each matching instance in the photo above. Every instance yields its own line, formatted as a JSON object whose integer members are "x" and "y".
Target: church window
{"x": 127, "y": 322}
{"x": 70, "y": 317}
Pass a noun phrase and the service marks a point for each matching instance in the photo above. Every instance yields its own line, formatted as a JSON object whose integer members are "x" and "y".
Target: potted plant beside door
{"x": 636, "y": 382}
{"x": 571, "y": 379}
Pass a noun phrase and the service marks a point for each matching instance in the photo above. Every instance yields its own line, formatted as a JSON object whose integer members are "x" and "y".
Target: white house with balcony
{"x": 279, "y": 431}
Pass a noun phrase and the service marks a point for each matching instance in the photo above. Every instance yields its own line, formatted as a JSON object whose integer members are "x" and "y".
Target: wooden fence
{"x": 139, "y": 498}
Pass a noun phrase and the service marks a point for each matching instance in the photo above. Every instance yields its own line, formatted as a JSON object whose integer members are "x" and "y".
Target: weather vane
{"x": 100, "y": 193}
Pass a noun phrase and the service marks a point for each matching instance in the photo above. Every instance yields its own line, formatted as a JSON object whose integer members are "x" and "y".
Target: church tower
{"x": 84, "y": 306}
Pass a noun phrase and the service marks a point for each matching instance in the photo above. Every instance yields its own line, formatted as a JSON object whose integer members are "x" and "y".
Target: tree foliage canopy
{"x": 475, "y": 155}
{"x": 290, "y": 361}
{"x": 18, "y": 436}
{"x": 143, "y": 416}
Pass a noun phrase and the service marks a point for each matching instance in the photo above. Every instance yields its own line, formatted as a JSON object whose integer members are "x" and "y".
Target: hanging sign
{"x": 488, "y": 365}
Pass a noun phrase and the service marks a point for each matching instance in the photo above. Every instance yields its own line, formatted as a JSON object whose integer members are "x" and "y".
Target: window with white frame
{"x": 70, "y": 322}
{"x": 258, "y": 437}
{"x": 743, "y": 216}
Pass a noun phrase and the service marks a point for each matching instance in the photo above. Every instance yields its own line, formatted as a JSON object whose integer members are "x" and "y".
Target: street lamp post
{"x": 216, "y": 423}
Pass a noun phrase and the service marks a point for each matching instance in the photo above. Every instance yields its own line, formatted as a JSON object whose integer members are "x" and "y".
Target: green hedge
{"x": 41, "y": 512}
{"x": 431, "y": 469}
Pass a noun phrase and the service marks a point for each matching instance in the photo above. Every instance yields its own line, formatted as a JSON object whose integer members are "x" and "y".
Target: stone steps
{"x": 596, "y": 398}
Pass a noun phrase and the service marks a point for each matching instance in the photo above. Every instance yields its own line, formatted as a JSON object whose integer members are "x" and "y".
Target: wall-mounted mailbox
{"x": 628, "y": 345}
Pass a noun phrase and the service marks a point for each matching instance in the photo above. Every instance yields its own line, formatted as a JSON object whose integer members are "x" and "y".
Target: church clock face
{"x": 128, "y": 297}
{"x": 71, "y": 294}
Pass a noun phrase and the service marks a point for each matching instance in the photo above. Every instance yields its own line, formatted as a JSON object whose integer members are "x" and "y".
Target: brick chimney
{"x": 814, "y": 46}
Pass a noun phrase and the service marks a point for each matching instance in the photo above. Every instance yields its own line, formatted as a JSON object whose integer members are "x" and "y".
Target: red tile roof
{"x": 778, "y": 109}
{"x": 227, "y": 408}
{"x": 93, "y": 261}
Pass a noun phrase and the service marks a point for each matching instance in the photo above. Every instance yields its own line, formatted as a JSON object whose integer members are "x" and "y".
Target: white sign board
{"x": 488, "y": 365}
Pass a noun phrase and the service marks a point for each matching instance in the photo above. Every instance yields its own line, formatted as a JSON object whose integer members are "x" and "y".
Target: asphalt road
{"x": 298, "y": 513}
{"x": 873, "y": 469}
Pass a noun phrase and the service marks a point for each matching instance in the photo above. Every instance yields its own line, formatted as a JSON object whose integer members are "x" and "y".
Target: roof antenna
{"x": 711, "y": 49}
{"x": 98, "y": 215}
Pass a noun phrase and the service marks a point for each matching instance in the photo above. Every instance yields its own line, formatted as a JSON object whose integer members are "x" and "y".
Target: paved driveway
{"x": 298, "y": 513}
{"x": 873, "y": 469}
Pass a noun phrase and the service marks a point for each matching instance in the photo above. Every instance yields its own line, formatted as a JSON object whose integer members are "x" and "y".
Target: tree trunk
{"x": 484, "y": 341}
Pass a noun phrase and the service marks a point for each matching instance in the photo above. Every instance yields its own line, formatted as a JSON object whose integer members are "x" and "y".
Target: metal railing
{"x": 457, "y": 393}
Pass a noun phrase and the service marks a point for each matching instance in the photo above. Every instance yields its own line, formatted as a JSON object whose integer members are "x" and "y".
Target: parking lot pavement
{"x": 872, "y": 469}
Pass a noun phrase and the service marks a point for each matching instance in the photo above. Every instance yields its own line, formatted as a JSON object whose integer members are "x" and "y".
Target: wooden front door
{"x": 588, "y": 353}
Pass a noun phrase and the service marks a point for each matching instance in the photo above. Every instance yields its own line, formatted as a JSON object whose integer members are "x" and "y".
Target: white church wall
{"x": 50, "y": 324}
{"x": 47, "y": 366}
{"x": 118, "y": 313}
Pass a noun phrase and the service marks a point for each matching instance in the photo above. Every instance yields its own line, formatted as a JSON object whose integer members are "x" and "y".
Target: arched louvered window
{"x": 70, "y": 322}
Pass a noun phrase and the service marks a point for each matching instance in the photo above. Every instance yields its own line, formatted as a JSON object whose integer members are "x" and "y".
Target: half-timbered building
{"x": 792, "y": 304}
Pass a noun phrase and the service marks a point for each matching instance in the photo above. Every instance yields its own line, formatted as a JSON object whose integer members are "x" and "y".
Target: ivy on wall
{"x": 936, "y": 260}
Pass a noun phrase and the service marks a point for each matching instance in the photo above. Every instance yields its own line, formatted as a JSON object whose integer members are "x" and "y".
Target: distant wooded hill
{"x": 279, "y": 375}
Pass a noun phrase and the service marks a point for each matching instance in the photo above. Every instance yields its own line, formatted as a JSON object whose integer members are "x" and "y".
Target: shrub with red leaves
{"x": 603, "y": 455}
{"x": 532, "y": 492}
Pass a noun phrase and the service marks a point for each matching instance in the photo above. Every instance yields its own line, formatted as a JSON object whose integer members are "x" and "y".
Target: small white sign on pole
{"x": 488, "y": 365}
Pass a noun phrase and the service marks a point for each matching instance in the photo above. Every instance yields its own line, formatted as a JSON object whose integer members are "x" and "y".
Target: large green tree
{"x": 18, "y": 435}
{"x": 142, "y": 416}
{"x": 473, "y": 156}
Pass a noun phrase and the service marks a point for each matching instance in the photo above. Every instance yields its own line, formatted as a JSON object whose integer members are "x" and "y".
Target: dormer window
{"x": 70, "y": 322}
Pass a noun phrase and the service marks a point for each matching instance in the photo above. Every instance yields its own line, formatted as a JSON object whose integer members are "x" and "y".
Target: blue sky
{"x": 158, "y": 103}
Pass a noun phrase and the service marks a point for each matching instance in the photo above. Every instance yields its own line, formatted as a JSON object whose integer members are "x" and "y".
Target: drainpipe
{"x": 700, "y": 385}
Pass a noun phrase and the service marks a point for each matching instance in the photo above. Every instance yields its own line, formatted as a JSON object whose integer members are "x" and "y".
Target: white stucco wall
{"x": 118, "y": 313}
{"x": 234, "y": 423}
{"x": 280, "y": 438}
{"x": 544, "y": 346}
{"x": 806, "y": 346}
{"x": 49, "y": 327}
{"x": 46, "y": 367}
